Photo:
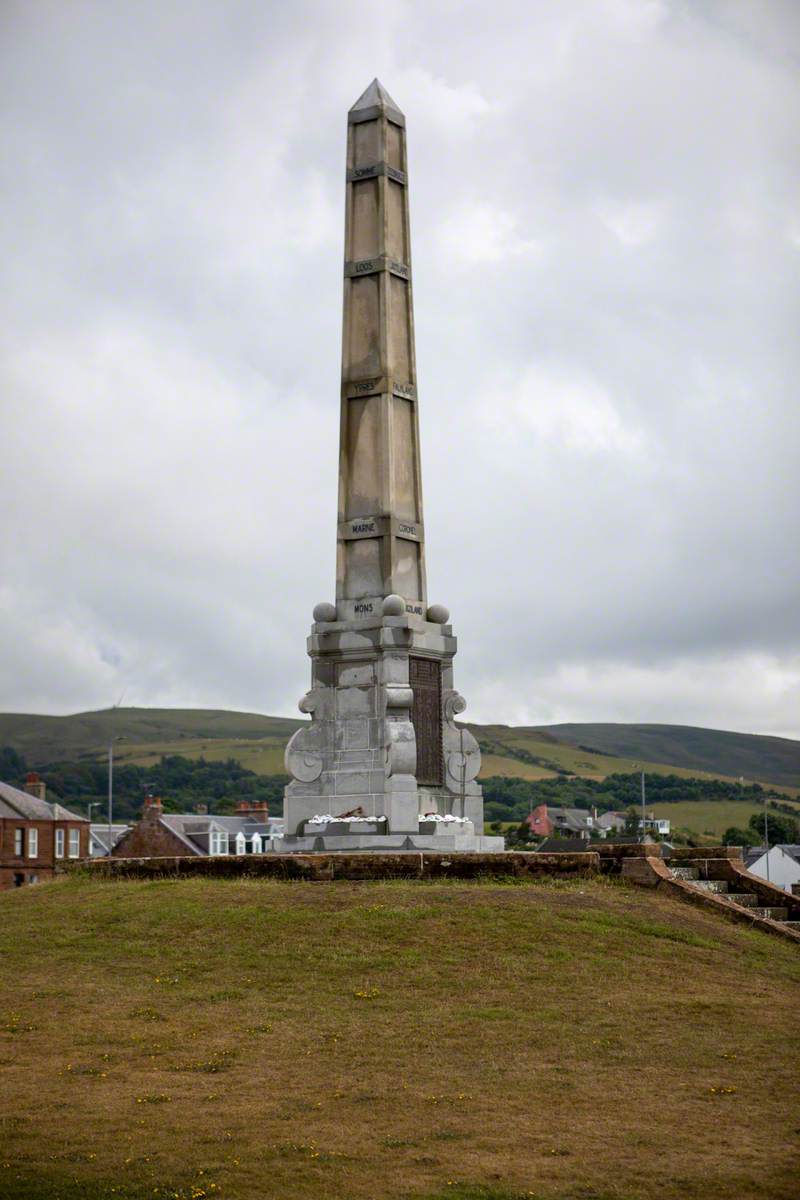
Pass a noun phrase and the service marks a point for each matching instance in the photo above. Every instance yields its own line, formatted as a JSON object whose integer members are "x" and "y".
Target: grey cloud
{"x": 606, "y": 241}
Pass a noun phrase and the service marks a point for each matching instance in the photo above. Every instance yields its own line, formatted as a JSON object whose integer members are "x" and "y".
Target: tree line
{"x": 511, "y": 799}
{"x": 182, "y": 783}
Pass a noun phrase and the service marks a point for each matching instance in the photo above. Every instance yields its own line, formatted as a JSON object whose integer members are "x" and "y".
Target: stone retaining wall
{"x": 408, "y": 865}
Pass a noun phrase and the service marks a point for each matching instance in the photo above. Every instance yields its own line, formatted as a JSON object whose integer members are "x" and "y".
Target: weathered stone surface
{"x": 383, "y": 738}
{"x": 310, "y": 865}
{"x": 324, "y": 612}
{"x": 438, "y": 614}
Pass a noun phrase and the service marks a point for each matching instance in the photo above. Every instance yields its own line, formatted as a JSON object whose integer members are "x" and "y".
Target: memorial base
{"x": 387, "y": 843}
{"x": 383, "y": 749}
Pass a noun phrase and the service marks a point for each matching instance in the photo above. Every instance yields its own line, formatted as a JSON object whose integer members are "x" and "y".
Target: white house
{"x": 656, "y": 825}
{"x": 780, "y": 865}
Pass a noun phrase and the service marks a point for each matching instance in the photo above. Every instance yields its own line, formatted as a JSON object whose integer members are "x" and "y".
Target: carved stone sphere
{"x": 394, "y": 606}
{"x": 438, "y": 614}
{"x": 324, "y": 611}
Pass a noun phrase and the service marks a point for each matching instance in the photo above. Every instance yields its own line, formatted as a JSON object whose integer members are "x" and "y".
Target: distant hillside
{"x": 770, "y": 759}
{"x": 257, "y": 742}
{"x": 49, "y": 739}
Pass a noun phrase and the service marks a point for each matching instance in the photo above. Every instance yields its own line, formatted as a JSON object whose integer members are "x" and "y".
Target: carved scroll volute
{"x": 400, "y": 742}
{"x": 462, "y": 753}
{"x": 303, "y": 755}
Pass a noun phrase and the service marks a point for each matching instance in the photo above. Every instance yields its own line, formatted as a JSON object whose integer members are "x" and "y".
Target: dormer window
{"x": 218, "y": 843}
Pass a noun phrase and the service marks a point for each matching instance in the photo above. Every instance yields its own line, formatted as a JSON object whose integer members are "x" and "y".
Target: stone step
{"x": 689, "y": 873}
{"x": 746, "y": 899}
{"x": 777, "y": 914}
{"x": 718, "y": 886}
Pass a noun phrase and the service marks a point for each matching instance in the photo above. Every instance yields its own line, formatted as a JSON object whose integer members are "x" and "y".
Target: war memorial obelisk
{"x": 382, "y": 756}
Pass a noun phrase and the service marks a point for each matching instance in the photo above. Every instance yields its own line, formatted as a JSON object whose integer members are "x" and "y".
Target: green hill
{"x": 257, "y": 742}
{"x": 42, "y": 739}
{"x": 754, "y": 756}
{"x": 397, "y": 1041}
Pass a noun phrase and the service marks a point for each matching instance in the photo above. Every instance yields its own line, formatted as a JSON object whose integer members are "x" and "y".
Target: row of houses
{"x": 37, "y": 836}
{"x": 548, "y": 821}
{"x": 249, "y": 831}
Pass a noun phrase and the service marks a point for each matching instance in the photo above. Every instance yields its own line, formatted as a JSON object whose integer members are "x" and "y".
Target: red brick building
{"x": 35, "y": 835}
{"x": 160, "y": 834}
{"x": 540, "y": 822}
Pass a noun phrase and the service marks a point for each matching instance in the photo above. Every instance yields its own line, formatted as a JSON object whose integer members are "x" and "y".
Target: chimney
{"x": 201, "y": 809}
{"x": 153, "y": 808}
{"x": 258, "y": 809}
{"x": 35, "y": 786}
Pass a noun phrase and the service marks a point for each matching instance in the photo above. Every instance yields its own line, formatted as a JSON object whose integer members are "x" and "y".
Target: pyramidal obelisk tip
{"x": 375, "y": 96}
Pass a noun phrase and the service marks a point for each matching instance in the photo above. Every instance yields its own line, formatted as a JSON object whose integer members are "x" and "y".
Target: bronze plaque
{"x": 425, "y": 677}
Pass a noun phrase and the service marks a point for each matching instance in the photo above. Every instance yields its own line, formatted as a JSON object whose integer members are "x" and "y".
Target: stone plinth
{"x": 467, "y": 843}
{"x": 381, "y": 687}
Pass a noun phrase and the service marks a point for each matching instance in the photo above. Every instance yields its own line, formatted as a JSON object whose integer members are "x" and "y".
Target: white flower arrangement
{"x": 327, "y": 818}
{"x": 448, "y": 818}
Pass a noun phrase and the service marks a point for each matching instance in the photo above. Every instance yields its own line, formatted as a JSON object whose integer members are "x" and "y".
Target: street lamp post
{"x": 90, "y": 804}
{"x": 644, "y": 818}
{"x": 111, "y": 786}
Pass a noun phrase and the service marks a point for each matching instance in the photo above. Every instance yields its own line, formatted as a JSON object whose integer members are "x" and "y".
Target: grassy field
{"x": 262, "y": 755}
{"x": 510, "y": 749}
{"x": 578, "y": 1040}
{"x": 710, "y": 817}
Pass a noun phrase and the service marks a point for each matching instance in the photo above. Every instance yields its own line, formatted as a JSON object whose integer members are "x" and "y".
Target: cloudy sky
{"x": 606, "y": 238}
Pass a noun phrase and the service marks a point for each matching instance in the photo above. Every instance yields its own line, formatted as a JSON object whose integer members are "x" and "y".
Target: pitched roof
{"x": 574, "y": 819}
{"x": 609, "y": 818}
{"x": 99, "y": 833}
{"x": 66, "y": 814}
{"x": 14, "y": 803}
{"x": 556, "y": 845}
{"x": 194, "y": 829}
{"x": 787, "y": 848}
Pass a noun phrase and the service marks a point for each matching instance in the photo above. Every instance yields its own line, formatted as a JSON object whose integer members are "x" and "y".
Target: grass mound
{"x": 202, "y": 1038}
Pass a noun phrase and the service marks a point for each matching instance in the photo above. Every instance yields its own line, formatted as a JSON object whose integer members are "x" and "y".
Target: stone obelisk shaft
{"x": 382, "y": 762}
{"x": 380, "y": 532}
